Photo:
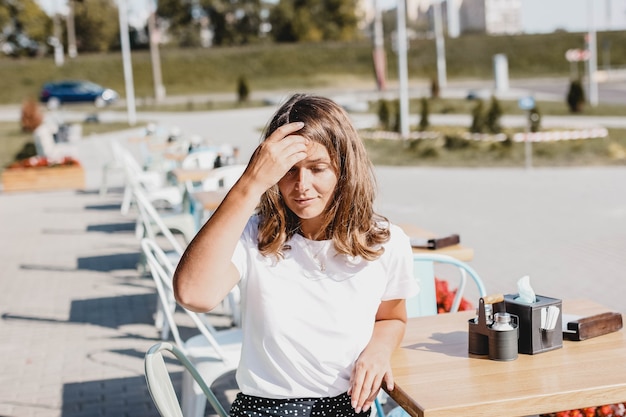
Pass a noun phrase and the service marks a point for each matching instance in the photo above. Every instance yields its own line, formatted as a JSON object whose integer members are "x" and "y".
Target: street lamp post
{"x": 128, "y": 66}
{"x": 592, "y": 62}
{"x": 442, "y": 78}
{"x": 402, "y": 69}
{"x": 159, "y": 89}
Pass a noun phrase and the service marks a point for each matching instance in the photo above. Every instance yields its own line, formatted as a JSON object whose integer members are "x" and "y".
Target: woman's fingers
{"x": 365, "y": 384}
{"x": 284, "y": 131}
{"x": 277, "y": 154}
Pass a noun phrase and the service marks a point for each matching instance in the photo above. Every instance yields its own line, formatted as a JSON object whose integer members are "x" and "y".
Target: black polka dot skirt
{"x": 250, "y": 406}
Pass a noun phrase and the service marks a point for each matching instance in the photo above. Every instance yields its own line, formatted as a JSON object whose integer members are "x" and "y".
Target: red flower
{"x": 605, "y": 411}
{"x": 445, "y": 297}
{"x": 42, "y": 161}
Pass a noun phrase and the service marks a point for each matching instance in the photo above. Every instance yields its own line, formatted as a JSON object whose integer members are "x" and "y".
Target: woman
{"x": 323, "y": 278}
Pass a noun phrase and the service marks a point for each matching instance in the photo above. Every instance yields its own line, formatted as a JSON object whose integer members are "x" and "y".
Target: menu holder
{"x": 436, "y": 242}
{"x": 583, "y": 328}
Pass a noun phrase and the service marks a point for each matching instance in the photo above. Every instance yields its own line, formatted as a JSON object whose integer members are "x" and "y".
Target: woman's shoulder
{"x": 251, "y": 231}
{"x": 395, "y": 231}
{"x": 398, "y": 235}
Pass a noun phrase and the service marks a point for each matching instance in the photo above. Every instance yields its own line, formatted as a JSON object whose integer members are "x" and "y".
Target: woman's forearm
{"x": 205, "y": 273}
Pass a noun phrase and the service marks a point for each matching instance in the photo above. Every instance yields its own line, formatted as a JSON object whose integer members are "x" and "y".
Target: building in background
{"x": 493, "y": 17}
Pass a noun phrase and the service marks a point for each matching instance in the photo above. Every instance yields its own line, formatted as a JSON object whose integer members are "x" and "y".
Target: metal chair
{"x": 213, "y": 352}
{"x": 160, "y": 384}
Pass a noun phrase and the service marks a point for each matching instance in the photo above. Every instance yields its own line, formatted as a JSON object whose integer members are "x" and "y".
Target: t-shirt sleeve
{"x": 398, "y": 256}
{"x": 247, "y": 240}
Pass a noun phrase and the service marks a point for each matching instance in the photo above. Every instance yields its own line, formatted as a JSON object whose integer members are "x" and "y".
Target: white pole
{"x": 128, "y": 66}
{"x": 402, "y": 69}
{"x": 441, "y": 51}
{"x": 592, "y": 63}
{"x": 71, "y": 31}
{"x": 453, "y": 18}
{"x": 159, "y": 89}
{"x": 378, "y": 56}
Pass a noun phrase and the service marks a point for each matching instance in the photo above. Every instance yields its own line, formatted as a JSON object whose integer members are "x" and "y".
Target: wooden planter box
{"x": 43, "y": 178}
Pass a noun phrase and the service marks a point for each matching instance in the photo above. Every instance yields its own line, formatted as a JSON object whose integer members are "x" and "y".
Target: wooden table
{"x": 460, "y": 252}
{"x": 209, "y": 200}
{"x": 191, "y": 174}
{"x": 435, "y": 376}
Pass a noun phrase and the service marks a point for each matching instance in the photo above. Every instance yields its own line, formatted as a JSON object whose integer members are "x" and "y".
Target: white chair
{"x": 223, "y": 177}
{"x": 200, "y": 159}
{"x": 46, "y": 146}
{"x": 150, "y": 223}
{"x": 153, "y": 182}
{"x": 160, "y": 384}
{"x": 425, "y": 302}
{"x": 116, "y": 164}
{"x": 213, "y": 352}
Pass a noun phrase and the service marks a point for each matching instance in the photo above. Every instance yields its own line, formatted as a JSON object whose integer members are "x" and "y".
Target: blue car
{"x": 76, "y": 91}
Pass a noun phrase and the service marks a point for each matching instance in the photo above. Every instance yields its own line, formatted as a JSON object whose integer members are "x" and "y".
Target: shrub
{"x": 243, "y": 90}
{"x": 396, "y": 119}
{"x": 32, "y": 116}
{"x": 478, "y": 119}
{"x": 575, "y": 96}
{"x": 384, "y": 114}
{"x": 454, "y": 141}
{"x": 534, "y": 119}
{"x": 434, "y": 88}
{"x": 424, "y": 123}
{"x": 493, "y": 116}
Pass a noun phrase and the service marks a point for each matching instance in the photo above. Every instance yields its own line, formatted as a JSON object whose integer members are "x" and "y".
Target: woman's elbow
{"x": 192, "y": 298}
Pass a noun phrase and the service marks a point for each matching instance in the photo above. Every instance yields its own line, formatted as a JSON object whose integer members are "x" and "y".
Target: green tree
{"x": 314, "y": 20}
{"x": 25, "y": 17}
{"x": 97, "y": 25}
{"x": 235, "y": 22}
{"x": 181, "y": 25}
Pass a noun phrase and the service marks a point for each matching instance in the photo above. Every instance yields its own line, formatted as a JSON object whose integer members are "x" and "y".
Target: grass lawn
{"x": 450, "y": 150}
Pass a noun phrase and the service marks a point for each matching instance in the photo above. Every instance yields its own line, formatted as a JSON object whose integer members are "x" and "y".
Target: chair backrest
{"x": 160, "y": 384}
{"x": 149, "y": 215}
{"x": 223, "y": 177}
{"x": 200, "y": 159}
{"x": 162, "y": 272}
{"x": 425, "y": 303}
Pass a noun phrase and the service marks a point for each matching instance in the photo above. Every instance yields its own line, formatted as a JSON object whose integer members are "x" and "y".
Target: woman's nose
{"x": 302, "y": 180}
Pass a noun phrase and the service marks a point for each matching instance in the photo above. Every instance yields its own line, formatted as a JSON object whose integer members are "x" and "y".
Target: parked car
{"x": 76, "y": 91}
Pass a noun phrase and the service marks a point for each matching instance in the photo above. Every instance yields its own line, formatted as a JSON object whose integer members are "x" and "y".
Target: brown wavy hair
{"x": 350, "y": 220}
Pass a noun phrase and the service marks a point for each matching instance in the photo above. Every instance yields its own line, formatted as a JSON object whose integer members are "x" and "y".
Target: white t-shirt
{"x": 305, "y": 322}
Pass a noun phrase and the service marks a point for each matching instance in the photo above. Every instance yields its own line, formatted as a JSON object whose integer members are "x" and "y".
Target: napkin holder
{"x": 533, "y": 338}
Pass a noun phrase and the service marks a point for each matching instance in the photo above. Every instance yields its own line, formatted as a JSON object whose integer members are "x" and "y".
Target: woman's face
{"x": 308, "y": 187}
